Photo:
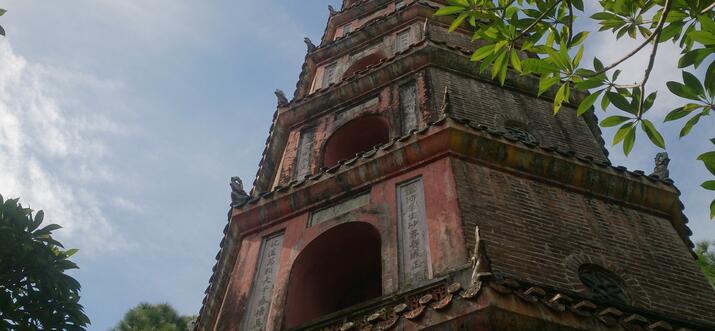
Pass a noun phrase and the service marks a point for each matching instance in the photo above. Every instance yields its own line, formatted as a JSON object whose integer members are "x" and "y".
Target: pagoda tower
{"x": 400, "y": 189}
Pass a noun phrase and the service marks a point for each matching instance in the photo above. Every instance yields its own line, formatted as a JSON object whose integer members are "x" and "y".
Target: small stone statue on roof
{"x": 239, "y": 197}
{"x": 332, "y": 10}
{"x": 309, "y": 43}
{"x": 661, "y": 165}
{"x": 282, "y": 100}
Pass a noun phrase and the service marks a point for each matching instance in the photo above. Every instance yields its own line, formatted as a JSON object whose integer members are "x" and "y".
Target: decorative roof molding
{"x": 432, "y": 303}
{"x": 465, "y": 139}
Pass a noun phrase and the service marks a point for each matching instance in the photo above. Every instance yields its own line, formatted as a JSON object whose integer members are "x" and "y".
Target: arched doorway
{"x": 363, "y": 63}
{"x": 356, "y": 136}
{"x": 340, "y": 268}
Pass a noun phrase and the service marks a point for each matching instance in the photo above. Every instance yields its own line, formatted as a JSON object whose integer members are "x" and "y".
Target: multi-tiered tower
{"x": 401, "y": 189}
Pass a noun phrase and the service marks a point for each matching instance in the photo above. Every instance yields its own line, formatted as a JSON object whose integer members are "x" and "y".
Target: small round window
{"x": 603, "y": 285}
{"x": 518, "y": 131}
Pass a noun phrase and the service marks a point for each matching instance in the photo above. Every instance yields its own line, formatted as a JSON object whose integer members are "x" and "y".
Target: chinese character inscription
{"x": 261, "y": 297}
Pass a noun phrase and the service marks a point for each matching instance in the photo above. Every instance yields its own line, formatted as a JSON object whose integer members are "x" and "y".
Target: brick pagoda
{"x": 400, "y": 189}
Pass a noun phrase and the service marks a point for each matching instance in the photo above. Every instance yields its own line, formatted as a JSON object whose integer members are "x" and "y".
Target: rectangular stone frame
{"x": 415, "y": 265}
{"x": 261, "y": 297}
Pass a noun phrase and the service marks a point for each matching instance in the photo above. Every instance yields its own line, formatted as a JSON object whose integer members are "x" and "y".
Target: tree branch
{"x": 661, "y": 23}
{"x": 533, "y": 24}
{"x": 570, "y": 22}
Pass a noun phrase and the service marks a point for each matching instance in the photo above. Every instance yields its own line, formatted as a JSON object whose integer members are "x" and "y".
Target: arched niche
{"x": 364, "y": 62}
{"x": 356, "y": 136}
{"x": 338, "y": 269}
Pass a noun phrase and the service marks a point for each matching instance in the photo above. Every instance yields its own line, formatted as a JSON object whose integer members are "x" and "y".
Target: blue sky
{"x": 124, "y": 121}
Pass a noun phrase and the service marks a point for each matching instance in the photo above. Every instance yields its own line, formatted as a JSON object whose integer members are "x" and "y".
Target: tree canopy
{"x": 706, "y": 260}
{"x": 35, "y": 292}
{"x": 149, "y": 317}
{"x": 545, "y": 31}
{"x": 2, "y": 31}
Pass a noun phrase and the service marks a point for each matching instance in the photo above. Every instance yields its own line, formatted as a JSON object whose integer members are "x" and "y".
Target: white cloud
{"x": 51, "y": 150}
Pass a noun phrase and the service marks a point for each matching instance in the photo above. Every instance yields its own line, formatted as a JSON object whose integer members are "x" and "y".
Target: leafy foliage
{"x": 537, "y": 37}
{"x": 706, "y": 260}
{"x": 159, "y": 317}
{"x": 709, "y": 161}
{"x": 35, "y": 292}
{"x": 2, "y": 12}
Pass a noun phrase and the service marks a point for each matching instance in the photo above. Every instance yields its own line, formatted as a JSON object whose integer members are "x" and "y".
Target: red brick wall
{"x": 325, "y": 125}
{"x": 543, "y": 233}
{"x": 445, "y": 238}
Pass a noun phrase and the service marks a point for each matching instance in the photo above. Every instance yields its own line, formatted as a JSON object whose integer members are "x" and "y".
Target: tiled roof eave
{"x": 474, "y": 141}
{"x": 432, "y": 303}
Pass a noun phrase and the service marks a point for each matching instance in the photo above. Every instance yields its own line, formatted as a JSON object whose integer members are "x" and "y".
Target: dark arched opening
{"x": 340, "y": 268}
{"x": 603, "y": 285}
{"x": 363, "y": 63}
{"x": 356, "y": 136}
{"x": 519, "y": 131}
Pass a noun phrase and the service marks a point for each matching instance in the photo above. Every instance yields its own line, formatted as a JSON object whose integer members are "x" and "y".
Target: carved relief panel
{"x": 414, "y": 256}
{"x": 261, "y": 297}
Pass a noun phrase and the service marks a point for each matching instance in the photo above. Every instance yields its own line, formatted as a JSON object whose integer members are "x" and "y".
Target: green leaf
{"x": 709, "y": 161}
{"x": 597, "y": 64}
{"x": 515, "y": 61}
{"x": 710, "y": 79}
{"x": 546, "y": 82}
{"x": 621, "y": 133}
{"x": 703, "y": 37}
{"x": 561, "y": 95}
{"x": 709, "y": 185}
{"x": 540, "y": 66}
{"x": 671, "y": 31}
{"x": 483, "y": 52}
{"x": 588, "y": 84}
{"x": 620, "y": 101}
{"x": 653, "y": 133}
{"x": 613, "y": 121}
{"x": 629, "y": 141}
{"x": 648, "y": 102}
{"x": 694, "y": 57}
{"x": 693, "y": 83}
{"x": 50, "y": 228}
{"x": 2, "y": 11}
{"x": 680, "y": 112}
{"x": 712, "y": 209}
{"x": 587, "y": 103}
{"x": 458, "y": 21}
{"x": 70, "y": 252}
{"x": 579, "y": 38}
{"x": 682, "y": 90}
{"x": 449, "y": 10}
{"x": 498, "y": 63}
{"x": 689, "y": 125}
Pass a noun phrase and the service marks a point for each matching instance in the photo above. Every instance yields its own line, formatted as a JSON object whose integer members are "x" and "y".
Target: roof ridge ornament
{"x": 332, "y": 10}
{"x": 239, "y": 197}
{"x": 661, "y": 165}
{"x": 309, "y": 44}
{"x": 281, "y": 96}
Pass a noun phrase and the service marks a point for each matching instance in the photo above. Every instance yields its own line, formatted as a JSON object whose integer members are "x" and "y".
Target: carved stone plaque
{"x": 338, "y": 209}
{"x": 408, "y": 107}
{"x": 415, "y": 265}
{"x": 305, "y": 150}
{"x": 403, "y": 40}
{"x": 259, "y": 302}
